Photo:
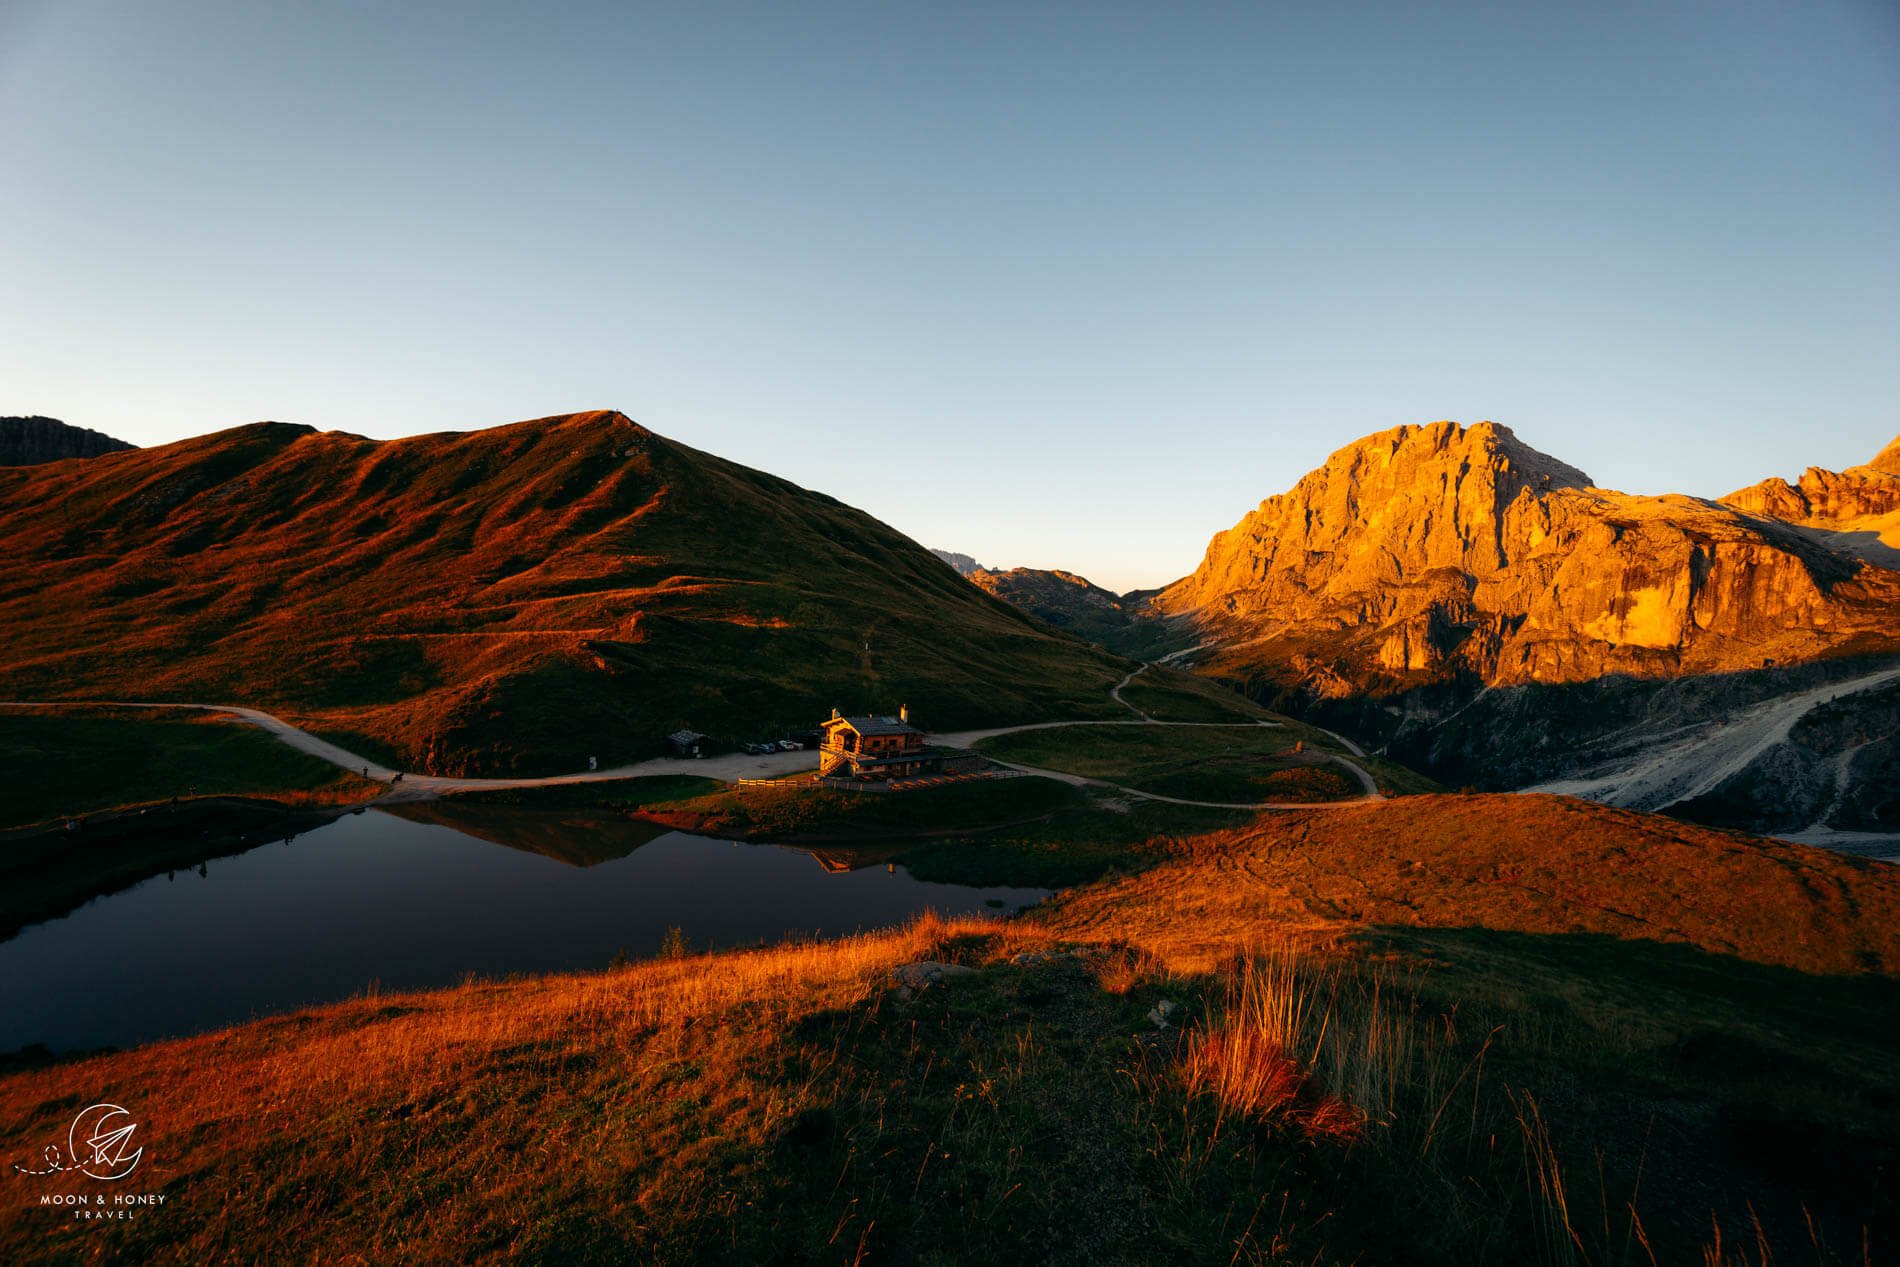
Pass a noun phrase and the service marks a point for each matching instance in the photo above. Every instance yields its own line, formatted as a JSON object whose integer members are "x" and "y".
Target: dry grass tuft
{"x": 1275, "y": 1028}
{"x": 1123, "y": 969}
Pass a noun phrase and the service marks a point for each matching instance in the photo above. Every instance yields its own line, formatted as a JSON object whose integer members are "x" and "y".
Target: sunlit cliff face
{"x": 1856, "y": 510}
{"x": 1444, "y": 548}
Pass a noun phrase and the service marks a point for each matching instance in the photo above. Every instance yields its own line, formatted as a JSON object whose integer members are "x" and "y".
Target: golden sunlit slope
{"x": 516, "y": 598}
{"x": 1525, "y": 864}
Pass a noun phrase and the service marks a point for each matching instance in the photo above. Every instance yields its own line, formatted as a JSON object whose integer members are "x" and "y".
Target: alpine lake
{"x": 423, "y": 896}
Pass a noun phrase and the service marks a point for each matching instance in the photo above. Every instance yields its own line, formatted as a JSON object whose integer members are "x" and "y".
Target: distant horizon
{"x": 1062, "y": 286}
{"x": 997, "y": 563}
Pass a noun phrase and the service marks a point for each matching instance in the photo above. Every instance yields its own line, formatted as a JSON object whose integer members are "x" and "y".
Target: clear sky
{"x": 1069, "y": 286}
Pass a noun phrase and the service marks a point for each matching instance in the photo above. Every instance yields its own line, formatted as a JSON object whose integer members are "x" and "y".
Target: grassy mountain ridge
{"x": 516, "y": 598}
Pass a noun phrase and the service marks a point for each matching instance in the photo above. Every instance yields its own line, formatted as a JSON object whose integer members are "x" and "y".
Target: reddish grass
{"x": 518, "y": 597}
{"x": 1276, "y": 1048}
{"x": 1536, "y": 864}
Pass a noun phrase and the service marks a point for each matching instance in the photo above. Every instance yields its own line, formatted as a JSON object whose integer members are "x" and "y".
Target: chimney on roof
{"x": 834, "y": 713}
{"x": 903, "y": 713}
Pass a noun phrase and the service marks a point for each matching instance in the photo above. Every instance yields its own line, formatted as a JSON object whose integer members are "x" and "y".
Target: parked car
{"x": 760, "y": 749}
{"x": 789, "y": 745}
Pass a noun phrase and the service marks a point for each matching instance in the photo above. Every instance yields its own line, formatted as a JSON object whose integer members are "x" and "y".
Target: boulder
{"x": 928, "y": 972}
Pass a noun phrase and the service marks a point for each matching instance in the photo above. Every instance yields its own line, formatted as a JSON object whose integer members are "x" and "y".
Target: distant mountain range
{"x": 1063, "y": 599}
{"x": 1484, "y": 611}
{"x": 1856, "y": 511}
{"x": 963, "y": 563}
{"x": 31, "y": 440}
{"x": 517, "y": 598}
{"x": 522, "y": 597}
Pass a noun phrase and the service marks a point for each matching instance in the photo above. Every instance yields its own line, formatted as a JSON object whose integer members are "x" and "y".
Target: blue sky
{"x": 1067, "y": 286}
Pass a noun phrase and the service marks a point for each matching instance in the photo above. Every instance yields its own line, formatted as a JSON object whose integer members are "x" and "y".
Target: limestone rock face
{"x": 1061, "y": 598}
{"x": 1391, "y": 509}
{"x": 1856, "y": 510}
{"x": 963, "y": 563}
{"x": 1446, "y": 551}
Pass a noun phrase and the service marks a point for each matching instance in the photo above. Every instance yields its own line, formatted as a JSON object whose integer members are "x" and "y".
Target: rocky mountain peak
{"x": 1886, "y": 462}
{"x": 1445, "y": 549}
{"x": 963, "y": 563}
{"x": 1859, "y": 506}
{"x": 1383, "y": 511}
{"x": 1488, "y": 449}
{"x": 1064, "y": 599}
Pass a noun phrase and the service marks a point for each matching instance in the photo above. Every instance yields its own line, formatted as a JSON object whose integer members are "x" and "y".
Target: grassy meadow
{"x": 1240, "y": 764}
{"x": 65, "y": 763}
{"x": 1547, "y": 865}
{"x": 1487, "y": 1051}
{"x": 1167, "y": 694}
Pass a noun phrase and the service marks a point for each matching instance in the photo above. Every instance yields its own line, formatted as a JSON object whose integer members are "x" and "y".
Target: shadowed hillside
{"x": 512, "y": 599}
{"x": 30, "y": 441}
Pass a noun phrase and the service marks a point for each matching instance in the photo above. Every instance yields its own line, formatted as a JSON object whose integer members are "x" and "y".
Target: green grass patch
{"x": 1238, "y": 764}
{"x": 802, "y": 810}
{"x": 1549, "y": 1098}
{"x": 1102, "y": 837}
{"x": 1171, "y": 695}
{"x": 368, "y": 747}
{"x": 1398, "y": 780}
{"x": 615, "y": 794}
{"x": 1441, "y": 1100}
{"x": 62, "y": 763}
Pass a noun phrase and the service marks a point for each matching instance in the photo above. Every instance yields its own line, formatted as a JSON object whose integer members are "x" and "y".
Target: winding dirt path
{"x": 1115, "y": 692}
{"x": 729, "y": 767}
{"x": 423, "y": 787}
{"x": 969, "y": 738}
{"x": 964, "y": 738}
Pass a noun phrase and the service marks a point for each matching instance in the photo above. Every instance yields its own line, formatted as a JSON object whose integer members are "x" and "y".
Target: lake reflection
{"x": 410, "y": 903}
